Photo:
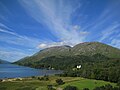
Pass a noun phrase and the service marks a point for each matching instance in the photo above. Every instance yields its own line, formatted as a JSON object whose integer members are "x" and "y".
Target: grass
{"x": 87, "y": 83}
{"x": 35, "y": 84}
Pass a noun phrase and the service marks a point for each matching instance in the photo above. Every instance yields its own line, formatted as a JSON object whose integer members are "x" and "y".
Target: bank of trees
{"x": 105, "y": 87}
{"x": 95, "y": 67}
{"x": 103, "y": 70}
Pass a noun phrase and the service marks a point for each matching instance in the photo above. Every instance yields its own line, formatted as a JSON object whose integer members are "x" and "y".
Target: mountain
{"x": 82, "y": 51}
{"x": 97, "y": 60}
{"x": 53, "y": 51}
{"x": 91, "y": 48}
{"x": 3, "y": 61}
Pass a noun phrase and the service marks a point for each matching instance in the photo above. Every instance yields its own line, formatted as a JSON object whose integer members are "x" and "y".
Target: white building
{"x": 79, "y": 66}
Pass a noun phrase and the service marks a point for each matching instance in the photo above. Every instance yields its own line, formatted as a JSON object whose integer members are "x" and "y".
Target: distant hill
{"x": 3, "y": 61}
{"x": 87, "y": 50}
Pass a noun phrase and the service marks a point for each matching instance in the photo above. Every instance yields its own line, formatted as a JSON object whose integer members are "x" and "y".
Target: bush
{"x": 50, "y": 87}
{"x": 70, "y": 88}
{"x": 33, "y": 76}
{"x": 86, "y": 89}
{"x": 59, "y": 81}
{"x": 45, "y": 78}
{"x": 1, "y": 80}
{"x": 106, "y": 87}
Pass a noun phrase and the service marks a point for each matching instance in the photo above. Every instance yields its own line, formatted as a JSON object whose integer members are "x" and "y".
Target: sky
{"x": 27, "y": 26}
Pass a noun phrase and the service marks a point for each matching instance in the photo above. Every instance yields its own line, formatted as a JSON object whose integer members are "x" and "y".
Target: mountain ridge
{"x": 86, "y": 49}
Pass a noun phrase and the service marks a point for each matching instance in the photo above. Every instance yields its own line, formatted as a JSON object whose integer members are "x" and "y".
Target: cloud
{"x": 64, "y": 41}
{"x": 56, "y": 15}
{"x": 116, "y": 43}
{"x": 43, "y": 45}
{"x": 109, "y": 31}
{"x": 11, "y": 37}
{"x": 15, "y": 46}
{"x": 69, "y": 21}
{"x": 8, "y": 32}
{"x": 52, "y": 44}
{"x": 2, "y": 25}
{"x": 12, "y": 56}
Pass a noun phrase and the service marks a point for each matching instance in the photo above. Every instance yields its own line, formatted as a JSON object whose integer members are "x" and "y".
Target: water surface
{"x": 12, "y": 71}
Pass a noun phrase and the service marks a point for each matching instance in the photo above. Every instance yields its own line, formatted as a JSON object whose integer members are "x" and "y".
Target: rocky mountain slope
{"x": 86, "y": 49}
{"x": 91, "y": 48}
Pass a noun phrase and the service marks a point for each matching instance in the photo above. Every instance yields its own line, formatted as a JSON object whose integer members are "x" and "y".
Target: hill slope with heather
{"x": 91, "y": 48}
{"x": 98, "y": 61}
{"x": 86, "y": 49}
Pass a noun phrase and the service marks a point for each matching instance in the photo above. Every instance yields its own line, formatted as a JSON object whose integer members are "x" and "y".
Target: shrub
{"x": 106, "y": 87}
{"x": 33, "y": 77}
{"x": 59, "y": 81}
{"x": 70, "y": 88}
{"x": 86, "y": 89}
{"x": 45, "y": 78}
{"x": 1, "y": 80}
{"x": 50, "y": 87}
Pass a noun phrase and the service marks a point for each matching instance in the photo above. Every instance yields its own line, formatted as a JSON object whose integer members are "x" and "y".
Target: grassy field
{"x": 87, "y": 83}
{"x": 35, "y": 84}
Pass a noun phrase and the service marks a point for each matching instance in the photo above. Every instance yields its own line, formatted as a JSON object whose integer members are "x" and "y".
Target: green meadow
{"x": 87, "y": 83}
{"x": 35, "y": 84}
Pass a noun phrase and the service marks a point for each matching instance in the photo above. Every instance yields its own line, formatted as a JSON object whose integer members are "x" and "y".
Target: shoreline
{"x": 15, "y": 79}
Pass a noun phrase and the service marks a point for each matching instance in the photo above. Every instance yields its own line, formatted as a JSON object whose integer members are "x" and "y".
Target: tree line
{"x": 97, "y": 66}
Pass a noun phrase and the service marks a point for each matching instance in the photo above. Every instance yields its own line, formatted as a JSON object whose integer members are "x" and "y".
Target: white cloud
{"x": 2, "y": 25}
{"x": 12, "y": 56}
{"x": 28, "y": 42}
{"x": 8, "y": 32}
{"x": 109, "y": 31}
{"x": 76, "y": 27}
{"x": 12, "y": 38}
{"x": 57, "y": 16}
{"x": 43, "y": 45}
{"x": 17, "y": 39}
{"x": 52, "y": 44}
{"x": 116, "y": 43}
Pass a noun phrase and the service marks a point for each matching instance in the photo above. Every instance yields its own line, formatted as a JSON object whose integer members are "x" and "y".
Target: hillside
{"x": 53, "y": 51}
{"x": 98, "y": 61}
{"x": 3, "y": 61}
{"x": 91, "y": 48}
{"x": 86, "y": 49}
